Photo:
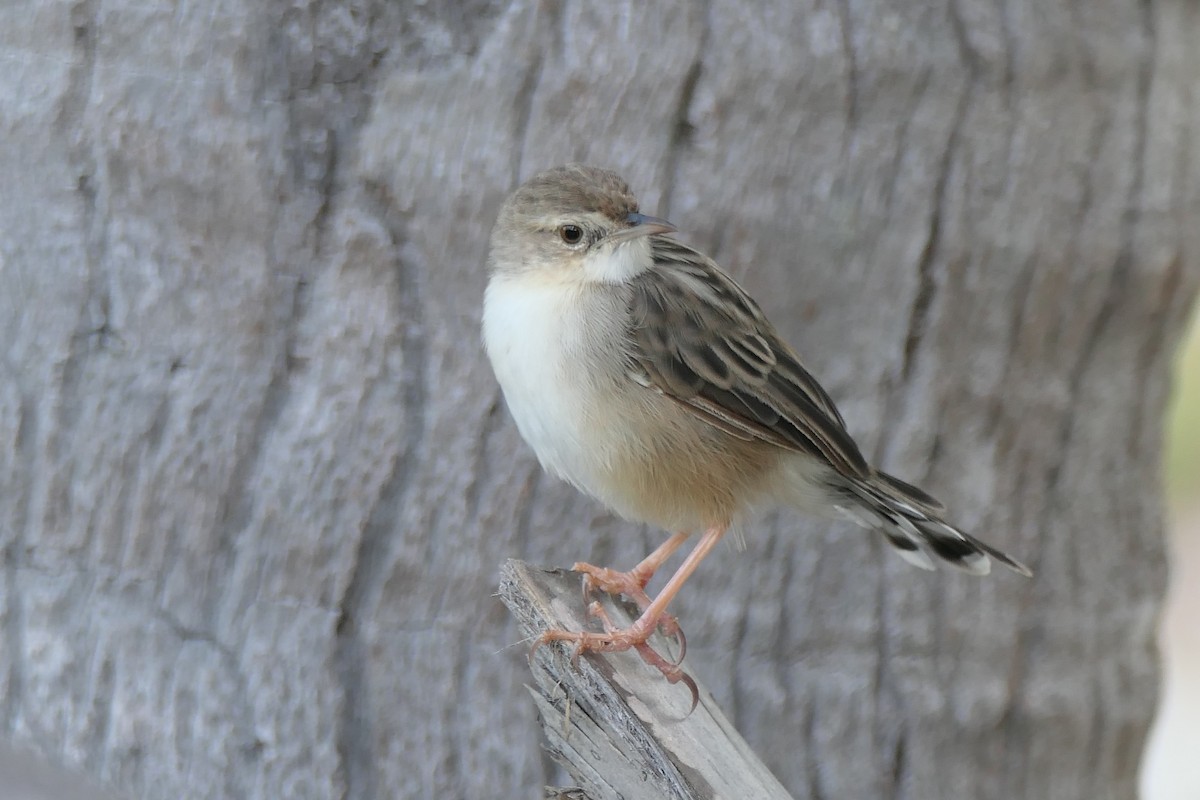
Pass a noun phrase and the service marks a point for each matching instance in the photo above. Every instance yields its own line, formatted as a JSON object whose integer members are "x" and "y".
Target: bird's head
{"x": 575, "y": 223}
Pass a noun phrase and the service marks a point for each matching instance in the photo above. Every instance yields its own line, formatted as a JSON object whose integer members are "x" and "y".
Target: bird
{"x": 641, "y": 373}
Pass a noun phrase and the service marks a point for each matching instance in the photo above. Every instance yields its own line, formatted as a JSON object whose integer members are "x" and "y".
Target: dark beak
{"x": 641, "y": 225}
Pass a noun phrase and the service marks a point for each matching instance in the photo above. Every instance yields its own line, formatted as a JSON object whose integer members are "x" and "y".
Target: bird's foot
{"x": 632, "y": 584}
{"x": 616, "y": 640}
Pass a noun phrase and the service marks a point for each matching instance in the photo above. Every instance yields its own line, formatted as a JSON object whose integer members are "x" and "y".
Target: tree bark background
{"x": 256, "y": 478}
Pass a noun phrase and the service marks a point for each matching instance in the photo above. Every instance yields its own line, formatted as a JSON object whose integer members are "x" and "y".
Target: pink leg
{"x": 635, "y": 580}
{"x": 635, "y": 636}
{"x": 632, "y": 584}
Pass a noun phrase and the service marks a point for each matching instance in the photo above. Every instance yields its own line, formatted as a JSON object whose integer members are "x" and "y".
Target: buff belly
{"x": 628, "y": 446}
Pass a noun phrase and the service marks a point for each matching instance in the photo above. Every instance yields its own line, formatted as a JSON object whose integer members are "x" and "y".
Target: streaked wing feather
{"x": 911, "y": 494}
{"x": 701, "y": 340}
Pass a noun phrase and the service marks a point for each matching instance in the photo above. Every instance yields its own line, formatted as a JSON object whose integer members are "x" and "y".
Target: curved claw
{"x": 586, "y": 585}
{"x": 554, "y": 635}
{"x": 671, "y": 672}
{"x": 538, "y": 642}
{"x": 615, "y": 640}
{"x": 695, "y": 690}
{"x": 681, "y": 641}
{"x": 595, "y": 642}
{"x": 550, "y": 635}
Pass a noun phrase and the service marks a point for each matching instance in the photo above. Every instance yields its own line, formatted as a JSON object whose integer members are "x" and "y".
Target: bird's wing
{"x": 702, "y": 341}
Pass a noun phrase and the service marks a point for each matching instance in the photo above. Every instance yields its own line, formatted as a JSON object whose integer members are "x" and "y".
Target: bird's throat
{"x": 619, "y": 264}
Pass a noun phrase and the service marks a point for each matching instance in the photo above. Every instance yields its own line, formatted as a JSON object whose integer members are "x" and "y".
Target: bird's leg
{"x": 618, "y": 639}
{"x": 634, "y": 581}
{"x": 670, "y": 669}
{"x": 632, "y": 584}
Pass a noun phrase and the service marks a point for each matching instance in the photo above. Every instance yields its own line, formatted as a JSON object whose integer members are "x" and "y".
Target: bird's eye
{"x": 571, "y": 234}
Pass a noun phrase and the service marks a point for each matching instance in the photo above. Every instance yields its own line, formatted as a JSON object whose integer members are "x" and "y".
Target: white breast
{"x": 542, "y": 352}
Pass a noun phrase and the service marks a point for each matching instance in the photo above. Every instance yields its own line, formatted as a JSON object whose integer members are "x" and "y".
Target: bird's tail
{"x": 911, "y": 521}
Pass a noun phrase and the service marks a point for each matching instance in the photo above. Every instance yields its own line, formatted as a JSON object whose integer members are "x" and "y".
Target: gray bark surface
{"x": 256, "y": 478}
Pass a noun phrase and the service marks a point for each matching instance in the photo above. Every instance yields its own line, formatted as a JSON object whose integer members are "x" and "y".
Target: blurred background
{"x": 256, "y": 477}
{"x": 1172, "y": 769}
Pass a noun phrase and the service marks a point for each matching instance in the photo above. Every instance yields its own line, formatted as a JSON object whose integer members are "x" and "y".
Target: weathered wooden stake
{"x": 613, "y": 722}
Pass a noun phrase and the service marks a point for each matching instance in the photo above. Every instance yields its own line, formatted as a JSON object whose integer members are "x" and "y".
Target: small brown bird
{"x": 644, "y": 375}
